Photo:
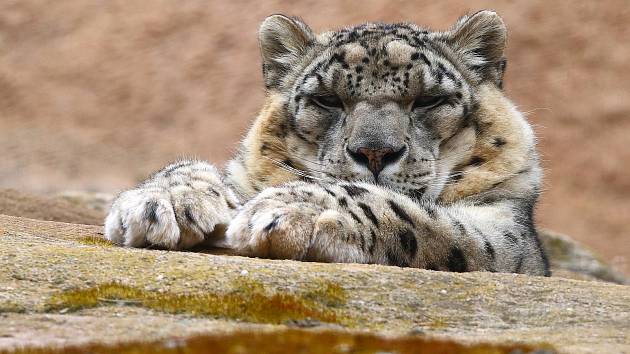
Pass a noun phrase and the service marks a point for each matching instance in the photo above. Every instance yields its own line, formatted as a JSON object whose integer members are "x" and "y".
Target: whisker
{"x": 526, "y": 113}
{"x": 292, "y": 170}
{"x": 307, "y": 160}
{"x": 298, "y": 158}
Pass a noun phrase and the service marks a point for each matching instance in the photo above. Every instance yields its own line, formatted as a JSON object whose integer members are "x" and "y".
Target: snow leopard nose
{"x": 376, "y": 159}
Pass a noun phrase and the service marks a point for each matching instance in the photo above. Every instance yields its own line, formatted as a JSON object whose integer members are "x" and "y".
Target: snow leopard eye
{"x": 427, "y": 102}
{"x": 328, "y": 101}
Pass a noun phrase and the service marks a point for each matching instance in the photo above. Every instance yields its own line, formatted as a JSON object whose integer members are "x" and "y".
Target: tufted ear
{"x": 480, "y": 39}
{"x": 283, "y": 41}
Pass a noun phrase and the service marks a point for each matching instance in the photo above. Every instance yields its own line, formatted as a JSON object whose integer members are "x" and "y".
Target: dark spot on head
{"x": 499, "y": 141}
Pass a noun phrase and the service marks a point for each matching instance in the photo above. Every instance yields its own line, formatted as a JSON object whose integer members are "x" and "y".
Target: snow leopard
{"x": 378, "y": 143}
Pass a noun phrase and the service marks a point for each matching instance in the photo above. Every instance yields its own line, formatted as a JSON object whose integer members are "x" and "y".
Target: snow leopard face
{"x": 381, "y": 103}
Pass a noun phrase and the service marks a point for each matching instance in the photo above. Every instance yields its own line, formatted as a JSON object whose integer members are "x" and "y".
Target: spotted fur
{"x": 378, "y": 143}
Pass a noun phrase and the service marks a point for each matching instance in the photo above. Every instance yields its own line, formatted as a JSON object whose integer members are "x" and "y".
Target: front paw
{"x": 176, "y": 218}
{"x": 295, "y": 223}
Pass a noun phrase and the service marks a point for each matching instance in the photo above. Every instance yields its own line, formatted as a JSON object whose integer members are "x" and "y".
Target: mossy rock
{"x": 61, "y": 286}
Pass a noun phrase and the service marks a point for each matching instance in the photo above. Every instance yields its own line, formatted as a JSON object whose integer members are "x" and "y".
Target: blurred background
{"x": 95, "y": 95}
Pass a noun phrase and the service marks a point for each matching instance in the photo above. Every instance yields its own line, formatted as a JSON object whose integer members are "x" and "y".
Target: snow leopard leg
{"x": 364, "y": 223}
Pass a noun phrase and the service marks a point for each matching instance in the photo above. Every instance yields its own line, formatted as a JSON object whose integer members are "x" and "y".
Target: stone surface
{"x": 571, "y": 259}
{"x": 95, "y": 201}
{"x": 66, "y": 209}
{"x": 43, "y": 261}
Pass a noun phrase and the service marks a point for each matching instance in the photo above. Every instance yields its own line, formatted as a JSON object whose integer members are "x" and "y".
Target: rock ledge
{"x": 160, "y": 295}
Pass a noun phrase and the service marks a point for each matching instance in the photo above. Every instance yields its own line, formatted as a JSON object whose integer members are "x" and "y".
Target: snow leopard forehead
{"x": 382, "y": 60}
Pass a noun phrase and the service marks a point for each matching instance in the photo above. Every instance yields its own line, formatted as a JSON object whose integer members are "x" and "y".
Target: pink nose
{"x": 376, "y": 159}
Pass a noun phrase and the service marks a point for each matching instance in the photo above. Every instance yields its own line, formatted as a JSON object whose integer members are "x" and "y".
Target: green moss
{"x": 94, "y": 241}
{"x": 328, "y": 293}
{"x": 248, "y": 301}
{"x": 247, "y": 286}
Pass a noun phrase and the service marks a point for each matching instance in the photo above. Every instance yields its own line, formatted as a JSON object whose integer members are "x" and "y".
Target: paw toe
{"x": 282, "y": 232}
{"x": 161, "y": 225}
{"x": 114, "y": 229}
{"x": 200, "y": 218}
{"x": 140, "y": 219}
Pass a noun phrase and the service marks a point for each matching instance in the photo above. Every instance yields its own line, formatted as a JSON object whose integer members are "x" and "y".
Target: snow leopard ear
{"x": 283, "y": 40}
{"x": 480, "y": 40}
